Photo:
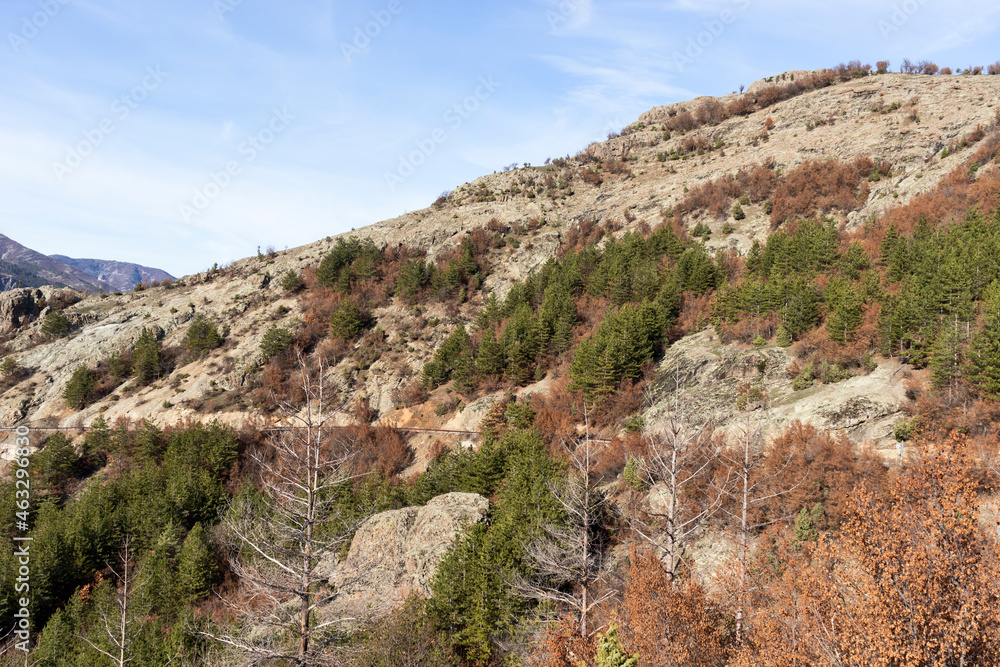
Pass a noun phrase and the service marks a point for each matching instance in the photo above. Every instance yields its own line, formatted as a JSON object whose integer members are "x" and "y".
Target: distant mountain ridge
{"x": 21, "y": 266}
{"x": 122, "y": 276}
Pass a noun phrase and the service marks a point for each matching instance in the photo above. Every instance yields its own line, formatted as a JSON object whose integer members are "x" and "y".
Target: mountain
{"x": 121, "y": 276}
{"x": 23, "y": 265}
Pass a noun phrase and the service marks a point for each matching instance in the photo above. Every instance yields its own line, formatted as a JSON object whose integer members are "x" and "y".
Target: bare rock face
{"x": 702, "y": 381}
{"x": 16, "y": 306}
{"x": 396, "y": 553}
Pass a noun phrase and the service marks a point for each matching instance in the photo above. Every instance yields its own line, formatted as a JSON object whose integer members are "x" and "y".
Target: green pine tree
{"x": 348, "y": 321}
{"x": 202, "y": 336}
{"x": 197, "y": 572}
{"x": 276, "y": 340}
{"x": 611, "y": 652}
{"x": 946, "y": 355}
{"x": 147, "y": 360}
{"x": 56, "y": 463}
{"x": 489, "y": 356}
{"x": 79, "y": 391}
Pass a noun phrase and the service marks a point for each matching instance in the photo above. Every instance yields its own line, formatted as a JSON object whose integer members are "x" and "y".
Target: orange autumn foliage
{"x": 912, "y": 579}
{"x": 670, "y": 624}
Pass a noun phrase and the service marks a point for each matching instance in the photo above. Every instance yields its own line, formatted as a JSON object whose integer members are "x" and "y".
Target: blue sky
{"x": 191, "y": 132}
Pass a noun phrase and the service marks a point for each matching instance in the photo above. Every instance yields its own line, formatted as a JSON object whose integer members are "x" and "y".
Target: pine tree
{"x": 348, "y": 321}
{"x": 782, "y": 338}
{"x": 754, "y": 263}
{"x": 983, "y": 358}
{"x": 946, "y": 354}
{"x": 56, "y": 463}
{"x": 197, "y": 572}
{"x": 846, "y": 303}
{"x": 489, "y": 356}
{"x": 414, "y": 275}
{"x": 147, "y": 361}
{"x": 202, "y": 336}
{"x": 800, "y": 312}
{"x": 276, "y": 340}
{"x": 80, "y": 388}
{"x": 611, "y": 652}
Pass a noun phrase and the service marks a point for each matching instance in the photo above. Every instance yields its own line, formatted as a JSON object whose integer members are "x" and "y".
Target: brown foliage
{"x": 591, "y": 177}
{"x": 713, "y": 112}
{"x": 757, "y": 183}
{"x": 912, "y": 578}
{"x": 670, "y": 623}
{"x": 379, "y": 448}
{"x": 562, "y": 646}
{"x": 747, "y": 329}
{"x": 816, "y": 467}
{"x": 410, "y": 395}
{"x": 696, "y": 312}
{"x": 956, "y": 193}
{"x": 580, "y": 236}
{"x": 818, "y": 186}
{"x": 554, "y": 412}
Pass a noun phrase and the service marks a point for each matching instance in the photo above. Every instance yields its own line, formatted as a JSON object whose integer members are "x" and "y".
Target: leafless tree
{"x": 123, "y": 622}
{"x": 567, "y": 557}
{"x": 279, "y": 539}
{"x": 676, "y": 459}
{"x": 748, "y": 490}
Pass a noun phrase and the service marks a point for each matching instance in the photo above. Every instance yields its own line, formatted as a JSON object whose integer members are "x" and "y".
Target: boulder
{"x": 396, "y": 553}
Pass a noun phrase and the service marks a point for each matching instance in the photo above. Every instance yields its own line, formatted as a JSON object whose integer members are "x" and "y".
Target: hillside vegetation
{"x": 677, "y": 366}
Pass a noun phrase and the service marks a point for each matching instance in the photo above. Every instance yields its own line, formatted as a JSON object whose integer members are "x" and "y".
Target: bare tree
{"x": 568, "y": 556}
{"x": 123, "y": 623}
{"x": 280, "y": 539}
{"x": 675, "y": 460}
{"x": 749, "y": 490}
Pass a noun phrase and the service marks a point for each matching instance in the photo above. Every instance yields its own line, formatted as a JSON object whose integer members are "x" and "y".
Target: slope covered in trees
{"x": 184, "y": 544}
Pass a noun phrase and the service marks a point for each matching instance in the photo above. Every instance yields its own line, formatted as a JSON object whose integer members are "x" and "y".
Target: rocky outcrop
{"x": 16, "y": 306}
{"x": 396, "y": 553}
{"x": 701, "y": 382}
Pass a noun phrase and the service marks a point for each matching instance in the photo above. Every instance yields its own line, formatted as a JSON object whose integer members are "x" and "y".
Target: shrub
{"x": 832, "y": 373}
{"x": 276, "y": 341}
{"x": 822, "y": 186}
{"x": 904, "y": 429}
{"x": 805, "y": 379}
{"x": 738, "y": 213}
{"x": 882, "y": 66}
{"x": 80, "y": 388}
{"x": 202, "y": 336}
{"x": 349, "y": 320}
{"x": 55, "y": 324}
{"x": 701, "y": 230}
{"x": 291, "y": 281}
{"x": 10, "y": 370}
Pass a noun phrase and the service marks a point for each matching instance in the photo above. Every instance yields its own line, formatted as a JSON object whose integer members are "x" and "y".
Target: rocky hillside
{"x": 634, "y": 181}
